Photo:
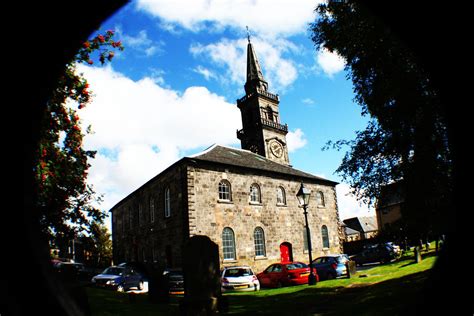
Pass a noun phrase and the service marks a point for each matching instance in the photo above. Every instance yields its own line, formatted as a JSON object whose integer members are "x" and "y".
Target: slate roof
{"x": 217, "y": 154}
{"x": 362, "y": 224}
{"x": 247, "y": 159}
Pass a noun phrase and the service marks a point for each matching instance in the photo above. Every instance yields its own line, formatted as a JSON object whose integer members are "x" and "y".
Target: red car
{"x": 284, "y": 274}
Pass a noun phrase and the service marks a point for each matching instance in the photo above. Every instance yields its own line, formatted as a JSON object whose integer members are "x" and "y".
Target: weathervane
{"x": 248, "y": 33}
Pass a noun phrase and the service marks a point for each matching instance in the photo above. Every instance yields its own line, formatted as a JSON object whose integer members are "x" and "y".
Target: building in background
{"x": 366, "y": 226}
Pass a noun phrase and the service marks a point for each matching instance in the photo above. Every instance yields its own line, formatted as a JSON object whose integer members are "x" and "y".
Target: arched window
{"x": 255, "y": 193}
{"x": 225, "y": 192}
{"x": 167, "y": 203}
{"x": 325, "y": 236}
{"x": 228, "y": 244}
{"x": 320, "y": 198}
{"x": 281, "y": 196}
{"x": 152, "y": 209}
{"x": 269, "y": 113}
{"x": 259, "y": 239}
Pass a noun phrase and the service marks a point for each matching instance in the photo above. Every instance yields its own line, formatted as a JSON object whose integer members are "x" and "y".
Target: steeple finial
{"x": 248, "y": 33}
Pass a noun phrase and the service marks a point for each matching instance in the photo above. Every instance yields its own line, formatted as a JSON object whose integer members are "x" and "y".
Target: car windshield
{"x": 114, "y": 271}
{"x": 296, "y": 265}
{"x": 238, "y": 272}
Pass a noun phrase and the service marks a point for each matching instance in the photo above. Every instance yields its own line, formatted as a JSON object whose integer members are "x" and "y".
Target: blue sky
{"x": 172, "y": 92}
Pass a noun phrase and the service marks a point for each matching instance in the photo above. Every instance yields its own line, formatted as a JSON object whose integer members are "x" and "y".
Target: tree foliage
{"x": 64, "y": 199}
{"x": 406, "y": 139}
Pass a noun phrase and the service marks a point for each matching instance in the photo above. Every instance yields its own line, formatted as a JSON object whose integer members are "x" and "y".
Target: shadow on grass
{"x": 395, "y": 296}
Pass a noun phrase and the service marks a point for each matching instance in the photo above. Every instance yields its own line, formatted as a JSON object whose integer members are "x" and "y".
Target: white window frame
{"x": 225, "y": 191}
{"x": 167, "y": 203}
{"x": 255, "y": 194}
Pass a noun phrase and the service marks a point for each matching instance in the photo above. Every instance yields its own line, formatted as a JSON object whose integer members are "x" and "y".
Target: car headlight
{"x": 110, "y": 282}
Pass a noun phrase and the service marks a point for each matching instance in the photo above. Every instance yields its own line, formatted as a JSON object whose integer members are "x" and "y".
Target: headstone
{"x": 417, "y": 254}
{"x": 350, "y": 268}
{"x": 157, "y": 289}
{"x": 202, "y": 288}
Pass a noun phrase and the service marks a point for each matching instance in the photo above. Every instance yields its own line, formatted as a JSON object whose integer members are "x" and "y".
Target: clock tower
{"x": 262, "y": 132}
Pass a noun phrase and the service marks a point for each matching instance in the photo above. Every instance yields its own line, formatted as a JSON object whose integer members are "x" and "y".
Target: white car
{"x": 239, "y": 279}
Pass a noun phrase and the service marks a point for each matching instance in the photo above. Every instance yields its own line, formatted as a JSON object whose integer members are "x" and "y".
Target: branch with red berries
{"x": 102, "y": 44}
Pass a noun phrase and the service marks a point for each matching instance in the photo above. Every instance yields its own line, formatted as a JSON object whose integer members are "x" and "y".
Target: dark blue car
{"x": 119, "y": 278}
{"x": 331, "y": 266}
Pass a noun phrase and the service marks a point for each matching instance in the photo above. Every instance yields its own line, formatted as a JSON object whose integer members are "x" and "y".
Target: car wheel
{"x": 330, "y": 276}
{"x": 140, "y": 285}
{"x": 279, "y": 284}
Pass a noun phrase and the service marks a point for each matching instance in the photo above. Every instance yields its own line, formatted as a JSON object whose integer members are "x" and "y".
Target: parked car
{"x": 395, "y": 248}
{"x": 284, "y": 274}
{"x": 331, "y": 266}
{"x": 174, "y": 281}
{"x": 135, "y": 266}
{"x": 119, "y": 278}
{"x": 376, "y": 253}
{"x": 239, "y": 279}
{"x": 73, "y": 271}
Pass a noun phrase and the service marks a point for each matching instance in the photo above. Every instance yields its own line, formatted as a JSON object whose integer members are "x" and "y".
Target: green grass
{"x": 107, "y": 303}
{"x": 369, "y": 292}
{"x": 390, "y": 288}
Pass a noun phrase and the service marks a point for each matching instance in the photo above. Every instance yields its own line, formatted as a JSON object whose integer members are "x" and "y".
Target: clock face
{"x": 277, "y": 149}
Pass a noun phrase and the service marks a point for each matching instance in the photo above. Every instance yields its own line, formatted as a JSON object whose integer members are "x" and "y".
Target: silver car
{"x": 239, "y": 278}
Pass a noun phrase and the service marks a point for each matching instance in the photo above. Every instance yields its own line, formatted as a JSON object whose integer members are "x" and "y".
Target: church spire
{"x": 254, "y": 72}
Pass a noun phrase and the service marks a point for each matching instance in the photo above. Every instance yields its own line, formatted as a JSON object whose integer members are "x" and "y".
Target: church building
{"x": 242, "y": 199}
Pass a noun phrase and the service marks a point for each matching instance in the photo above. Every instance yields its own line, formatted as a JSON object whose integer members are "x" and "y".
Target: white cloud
{"x": 279, "y": 71}
{"x": 141, "y": 43}
{"x": 348, "y": 204}
{"x": 330, "y": 63}
{"x": 206, "y": 73}
{"x": 140, "y": 128}
{"x": 272, "y": 18}
{"x": 296, "y": 140}
{"x": 308, "y": 101}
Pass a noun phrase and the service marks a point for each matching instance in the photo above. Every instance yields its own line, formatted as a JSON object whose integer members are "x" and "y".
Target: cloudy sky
{"x": 172, "y": 92}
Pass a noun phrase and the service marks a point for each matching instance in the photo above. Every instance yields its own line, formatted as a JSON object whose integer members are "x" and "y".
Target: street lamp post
{"x": 303, "y": 199}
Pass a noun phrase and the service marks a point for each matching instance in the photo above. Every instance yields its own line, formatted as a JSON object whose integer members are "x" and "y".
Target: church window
{"x": 269, "y": 114}
{"x": 320, "y": 199}
{"x": 140, "y": 214}
{"x": 152, "y": 210}
{"x": 325, "y": 236}
{"x": 228, "y": 244}
{"x": 225, "y": 191}
{"x": 259, "y": 239}
{"x": 281, "y": 197}
{"x": 255, "y": 193}
{"x": 167, "y": 203}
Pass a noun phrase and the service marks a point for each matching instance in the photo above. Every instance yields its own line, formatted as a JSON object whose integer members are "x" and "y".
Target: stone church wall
{"x": 153, "y": 238}
{"x": 280, "y": 223}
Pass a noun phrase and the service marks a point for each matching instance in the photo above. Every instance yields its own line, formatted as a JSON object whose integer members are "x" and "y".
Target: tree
{"x": 64, "y": 199}
{"x": 406, "y": 139}
{"x": 98, "y": 243}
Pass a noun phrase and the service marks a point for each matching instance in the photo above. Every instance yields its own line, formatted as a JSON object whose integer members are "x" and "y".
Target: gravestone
{"x": 351, "y": 268}
{"x": 417, "y": 254}
{"x": 202, "y": 288}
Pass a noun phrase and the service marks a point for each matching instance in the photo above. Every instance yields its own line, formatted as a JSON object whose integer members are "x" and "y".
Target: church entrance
{"x": 286, "y": 252}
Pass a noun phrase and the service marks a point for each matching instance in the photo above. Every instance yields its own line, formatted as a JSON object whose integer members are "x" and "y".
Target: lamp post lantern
{"x": 303, "y": 199}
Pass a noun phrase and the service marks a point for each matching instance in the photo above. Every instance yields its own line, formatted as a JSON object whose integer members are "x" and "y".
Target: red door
{"x": 286, "y": 254}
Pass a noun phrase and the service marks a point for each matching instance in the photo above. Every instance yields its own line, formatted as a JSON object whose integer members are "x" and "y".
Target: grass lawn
{"x": 391, "y": 288}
